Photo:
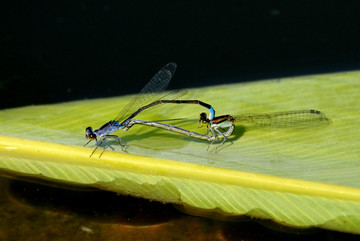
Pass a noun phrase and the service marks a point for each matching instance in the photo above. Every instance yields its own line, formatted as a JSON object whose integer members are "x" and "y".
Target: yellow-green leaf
{"x": 302, "y": 177}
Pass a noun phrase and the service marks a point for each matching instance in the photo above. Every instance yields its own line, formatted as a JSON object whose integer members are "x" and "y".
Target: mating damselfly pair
{"x": 219, "y": 127}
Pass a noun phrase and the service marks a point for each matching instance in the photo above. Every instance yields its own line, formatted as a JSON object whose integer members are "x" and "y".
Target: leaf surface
{"x": 302, "y": 177}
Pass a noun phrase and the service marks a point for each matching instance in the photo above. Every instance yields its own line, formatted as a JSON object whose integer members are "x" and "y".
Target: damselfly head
{"x": 231, "y": 118}
{"x": 89, "y": 134}
{"x": 203, "y": 118}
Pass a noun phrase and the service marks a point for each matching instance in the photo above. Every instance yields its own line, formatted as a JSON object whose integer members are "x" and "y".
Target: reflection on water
{"x": 33, "y": 211}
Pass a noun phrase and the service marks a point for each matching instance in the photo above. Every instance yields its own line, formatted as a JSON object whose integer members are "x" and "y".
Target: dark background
{"x": 53, "y": 51}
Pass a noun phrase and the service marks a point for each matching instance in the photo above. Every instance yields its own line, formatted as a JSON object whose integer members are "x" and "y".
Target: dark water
{"x": 34, "y": 211}
{"x": 54, "y": 51}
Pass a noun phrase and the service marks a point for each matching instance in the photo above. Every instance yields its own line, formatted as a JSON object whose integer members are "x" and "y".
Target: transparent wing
{"x": 151, "y": 92}
{"x": 286, "y": 119}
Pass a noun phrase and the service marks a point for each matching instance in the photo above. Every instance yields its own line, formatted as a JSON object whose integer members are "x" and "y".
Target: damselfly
{"x": 223, "y": 126}
{"x": 148, "y": 97}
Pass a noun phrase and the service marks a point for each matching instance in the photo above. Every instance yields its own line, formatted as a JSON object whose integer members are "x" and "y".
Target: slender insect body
{"x": 149, "y": 94}
{"x": 150, "y": 97}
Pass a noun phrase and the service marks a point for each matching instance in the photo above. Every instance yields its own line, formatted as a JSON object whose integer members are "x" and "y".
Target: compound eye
{"x": 203, "y": 117}
{"x": 89, "y": 133}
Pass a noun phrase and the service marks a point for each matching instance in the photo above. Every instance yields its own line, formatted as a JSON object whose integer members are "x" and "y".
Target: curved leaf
{"x": 301, "y": 177}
